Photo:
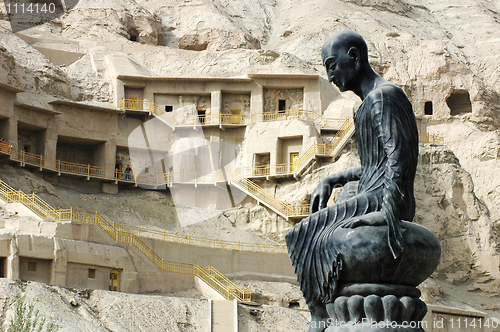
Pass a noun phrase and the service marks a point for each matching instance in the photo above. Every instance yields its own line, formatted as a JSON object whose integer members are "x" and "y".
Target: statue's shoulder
{"x": 386, "y": 95}
{"x": 386, "y": 98}
{"x": 383, "y": 90}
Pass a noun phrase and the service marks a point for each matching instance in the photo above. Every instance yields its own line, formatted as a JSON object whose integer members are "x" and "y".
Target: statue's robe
{"x": 387, "y": 140}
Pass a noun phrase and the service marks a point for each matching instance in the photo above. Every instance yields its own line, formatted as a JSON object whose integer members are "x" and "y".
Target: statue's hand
{"x": 322, "y": 193}
{"x": 369, "y": 219}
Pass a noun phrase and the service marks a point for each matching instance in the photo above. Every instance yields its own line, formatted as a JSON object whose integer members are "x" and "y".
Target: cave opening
{"x": 428, "y": 108}
{"x": 134, "y": 35}
{"x": 459, "y": 102}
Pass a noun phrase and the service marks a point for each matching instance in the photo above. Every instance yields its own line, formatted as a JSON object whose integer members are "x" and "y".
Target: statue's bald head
{"x": 341, "y": 42}
{"x": 345, "y": 57}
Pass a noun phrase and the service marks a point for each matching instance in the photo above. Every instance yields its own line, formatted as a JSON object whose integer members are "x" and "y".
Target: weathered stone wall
{"x": 163, "y": 100}
{"x": 294, "y": 99}
{"x": 76, "y": 153}
{"x": 86, "y": 123}
{"x": 29, "y": 140}
{"x": 123, "y": 20}
{"x": 225, "y": 146}
{"x": 8, "y": 125}
{"x": 78, "y": 276}
{"x": 203, "y": 150}
{"x": 63, "y": 253}
{"x": 288, "y": 146}
{"x": 206, "y": 196}
{"x": 232, "y": 101}
{"x": 42, "y": 271}
{"x": 45, "y": 126}
{"x": 184, "y": 106}
{"x": 134, "y": 93}
{"x": 4, "y": 128}
{"x": 226, "y": 261}
{"x": 126, "y": 125}
{"x": 268, "y": 137}
{"x": 93, "y": 127}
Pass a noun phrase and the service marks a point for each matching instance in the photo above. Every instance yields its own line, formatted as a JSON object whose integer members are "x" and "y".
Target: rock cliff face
{"x": 112, "y": 21}
{"x": 446, "y": 54}
{"x": 83, "y": 310}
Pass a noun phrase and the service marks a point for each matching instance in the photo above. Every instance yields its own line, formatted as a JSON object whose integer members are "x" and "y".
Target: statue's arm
{"x": 323, "y": 191}
{"x": 391, "y": 135}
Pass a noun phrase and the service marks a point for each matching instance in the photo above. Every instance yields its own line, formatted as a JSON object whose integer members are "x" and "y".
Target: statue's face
{"x": 341, "y": 68}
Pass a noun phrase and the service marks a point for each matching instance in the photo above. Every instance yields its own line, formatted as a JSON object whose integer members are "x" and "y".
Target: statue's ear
{"x": 353, "y": 53}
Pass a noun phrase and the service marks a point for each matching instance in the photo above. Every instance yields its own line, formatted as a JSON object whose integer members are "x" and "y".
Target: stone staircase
{"x": 215, "y": 280}
{"x": 224, "y": 316}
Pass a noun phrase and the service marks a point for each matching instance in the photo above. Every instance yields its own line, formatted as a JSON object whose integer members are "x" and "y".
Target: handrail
{"x": 84, "y": 216}
{"x": 430, "y": 138}
{"x": 226, "y": 119}
{"x": 259, "y": 193}
{"x": 200, "y": 241}
{"x": 213, "y": 274}
{"x": 148, "y": 106}
{"x": 210, "y": 275}
{"x": 331, "y": 148}
{"x": 315, "y": 149}
{"x": 238, "y": 177}
{"x": 143, "y": 178}
{"x": 33, "y": 202}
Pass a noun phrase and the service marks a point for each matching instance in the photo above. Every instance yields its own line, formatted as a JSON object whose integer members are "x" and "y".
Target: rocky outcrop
{"x": 112, "y": 20}
{"x": 217, "y": 40}
{"x": 251, "y": 20}
{"x": 439, "y": 55}
{"x": 478, "y": 151}
{"x": 26, "y": 68}
{"x": 87, "y": 310}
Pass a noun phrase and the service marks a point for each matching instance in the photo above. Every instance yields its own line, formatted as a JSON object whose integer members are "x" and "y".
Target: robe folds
{"x": 387, "y": 140}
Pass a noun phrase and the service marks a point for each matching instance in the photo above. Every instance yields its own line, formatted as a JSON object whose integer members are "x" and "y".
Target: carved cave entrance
{"x": 202, "y": 116}
{"x": 282, "y": 107}
{"x": 114, "y": 280}
{"x": 80, "y": 150}
{"x": 294, "y": 158}
{"x": 31, "y": 139}
{"x": 459, "y": 102}
{"x": 428, "y": 108}
{"x": 2, "y": 267}
{"x": 4, "y": 128}
{"x": 261, "y": 162}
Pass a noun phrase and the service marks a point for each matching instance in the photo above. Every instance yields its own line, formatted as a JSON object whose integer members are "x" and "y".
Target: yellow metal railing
{"x": 259, "y": 193}
{"x": 178, "y": 177}
{"x": 197, "y": 178}
{"x": 228, "y": 119}
{"x": 147, "y": 106}
{"x": 213, "y": 274}
{"x": 143, "y": 178}
{"x": 33, "y": 202}
{"x": 430, "y": 138}
{"x": 5, "y": 189}
{"x": 209, "y": 274}
{"x": 240, "y": 177}
{"x": 270, "y": 200}
{"x": 214, "y": 119}
{"x": 315, "y": 149}
{"x": 199, "y": 241}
